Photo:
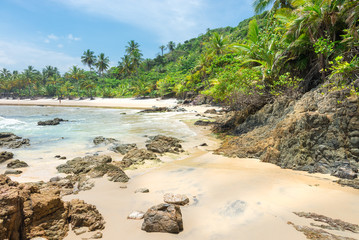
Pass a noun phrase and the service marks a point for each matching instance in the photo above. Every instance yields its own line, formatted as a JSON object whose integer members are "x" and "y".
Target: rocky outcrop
{"x": 211, "y": 111}
{"x": 163, "y": 109}
{"x": 55, "y": 121}
{"x": 317, "y": 133}
{"x": 123, "y": 148}
{"x": 85, "y": 215}
{"x": 93, "y": 166}
{"x": 10, "y": 140}
{"x": 102, "y": 140}
{"x": 12, "y": 172}
{"x": 204, "y": 123}
{"x": 178, "y": 199}
{"x": 137, "y": 156}
{"x": 163, "y": 218}
{"x": 17, "y": 164}
{"x": 29, "y": 211}
{"x": 5, "y": 156}
{"x": 163, "y": 144}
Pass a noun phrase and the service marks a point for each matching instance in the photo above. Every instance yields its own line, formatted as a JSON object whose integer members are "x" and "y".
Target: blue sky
{"x": 57, "y": 32}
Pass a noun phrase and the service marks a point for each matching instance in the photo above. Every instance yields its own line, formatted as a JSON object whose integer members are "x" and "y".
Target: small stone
{"x": 203, "y": 144}
{"x": 8, "y": 172}
{"x": 17, "y": 164}
{"x": 79, "y": 231}
{"x": 123, "y": 186}
{"x": 55, "y": 179}
{"x": 62, "y": 158}
{"x": 136, "y": 215}
{"x": 142, "y": 190}
{"x": 57, "y": 156}
{"x": 96, "y": 235}
{"x": 178, "y": 199}
{"x": 5, "y": 156}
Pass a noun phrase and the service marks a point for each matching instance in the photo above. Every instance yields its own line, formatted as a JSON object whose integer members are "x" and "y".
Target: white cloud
{"x": 52, "y": 37}
{"x": 60, "y": 45}
{"x": 72, "y": 38}
{"x": 170, "y": 19}
{"x": 19, "y": 55}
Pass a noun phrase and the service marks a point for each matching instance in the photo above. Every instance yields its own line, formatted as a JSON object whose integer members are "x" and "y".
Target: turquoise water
{"x": 74, "y": 138}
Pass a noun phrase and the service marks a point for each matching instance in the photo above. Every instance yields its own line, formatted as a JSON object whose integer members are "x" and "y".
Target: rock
{"x": 163, "y": 218}
{"x": 345, "y": 172}
{"x": 97, "y": 235}
{"x": 203, "y": 144}
{"x": 163, "y": 109}
{"x": 57, "y": 156}
{"x": 137, "y": 156}
{"x": 11, "y": 172}
{"x": 211, "y": 111}
{"x": 10, "y": 140}
{"x": 94, "y": 166}
{"x": 55, "y": 121}
{"x": 55, "y": 179}
{"x": 204, "y": 123}
{"x": 82, "y": 214}
{"x": 163, "y": 144}
{"x": 350, "y": 183}
{"x": 178, "y": 199}
{"x": 17, "y": 164}
{"x": 123, "y": 148}
{"x": 354, "y": 141}
{"x": 100, "y": 139}
{"x": 5, "y": 156}
{"x": 142, "y": 190}
{"x": 63, "y": 158}
{"x": 136, "y": 215}
{"x": 81, "y": 230}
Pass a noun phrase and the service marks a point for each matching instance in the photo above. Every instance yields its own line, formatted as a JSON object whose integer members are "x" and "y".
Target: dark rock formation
{"x": 5, "y": 156}
{"x": 94, "y": 166}
{"x": 163, "y": 144}
{"x": 137, "y": 156}
{"x": 33, "y": 211}
{"x": 349, "y": 183}
{"x": 17, "y": 164}
{"x": 163, "y": 218}
{"x": 10, "y": 140}
{"x": 10, "y": 172}
{"x": 123, "y": 148}
{"x": 163, "y": 109}
{"x": 55, "y": 121}
{"x": 204, "y": 123}
{"x": 100, "y": 139}
{"x": 317, "y": 133}
{"x": 211, "y": 111}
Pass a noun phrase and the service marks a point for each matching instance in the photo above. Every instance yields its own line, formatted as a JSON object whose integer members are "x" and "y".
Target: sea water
{"x": 74, "y": 137}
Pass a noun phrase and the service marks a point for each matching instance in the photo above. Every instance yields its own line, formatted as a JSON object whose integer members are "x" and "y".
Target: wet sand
{"x": 230, "y": 198}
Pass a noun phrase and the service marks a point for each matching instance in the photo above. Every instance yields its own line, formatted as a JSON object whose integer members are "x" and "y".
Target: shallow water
{"x": 74, "y": 138}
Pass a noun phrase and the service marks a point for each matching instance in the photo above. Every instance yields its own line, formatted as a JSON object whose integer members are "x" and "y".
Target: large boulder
{"x": 85, "y": 215}
{"x": 17, "y": 164}
{"x": 102, "y": 140}
{"x": 163, "y": 218}
{"x": 5, "y": 156}
{"x": 10, "y": 140}
{"x": 163, "y": 144}
{"x": 137, "y": 156}
{"x": 123, "y": 148}
{"x": 55, "y": 121}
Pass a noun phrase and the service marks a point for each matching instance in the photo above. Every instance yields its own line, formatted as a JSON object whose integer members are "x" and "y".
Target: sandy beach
{"x": 230, "y": 198}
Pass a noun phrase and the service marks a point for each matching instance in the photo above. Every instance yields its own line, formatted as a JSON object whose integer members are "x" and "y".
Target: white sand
{"x": 230, "y": 198}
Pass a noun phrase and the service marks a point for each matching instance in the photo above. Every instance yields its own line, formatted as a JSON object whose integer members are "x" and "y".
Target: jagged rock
{"x": 5, "y": 156}
{"x": 11, "y": 172}
{"x": 204, "y": 123}
{"x": 142, "y": 190}
{"x": 10, "y": 140}
{"x": 100, "y": 139}
{"x": 82, "y": 214}
{"x": 55, "y": 121}
{"x": 137, "y": 156}
{"x": 17, "y": 164}
{"x": 211, "y": 111}
{"x": 162, "y": 144}
{"x": 79, "y": 231}
{"x": 350, "y": 183}
{"x": 136, "y": 215}
{"x": 163, "y": 218}
{"x": 345, "y": 172}
{"x": 178, "y": 199}
{"x": 97, "y": 235}
{"x": 163, "y": 109}
{"x": 123, "y": 148}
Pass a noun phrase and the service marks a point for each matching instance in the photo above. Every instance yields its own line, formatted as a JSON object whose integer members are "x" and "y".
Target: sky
{"x": 57, "y": 32}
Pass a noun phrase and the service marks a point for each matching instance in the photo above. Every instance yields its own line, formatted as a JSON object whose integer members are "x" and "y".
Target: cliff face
{"x": 317, "y": 133}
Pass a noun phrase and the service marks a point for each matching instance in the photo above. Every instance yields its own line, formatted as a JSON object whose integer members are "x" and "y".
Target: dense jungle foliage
{"x": 288, "y": 50}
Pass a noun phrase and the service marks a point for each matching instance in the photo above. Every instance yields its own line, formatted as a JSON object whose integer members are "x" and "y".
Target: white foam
{"x": 10, "y": 123}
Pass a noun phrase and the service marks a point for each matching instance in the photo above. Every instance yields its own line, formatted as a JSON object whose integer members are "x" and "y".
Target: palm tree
{"x": 132, "y": 47}
{"x": 76, "y": 74}
{"x": 102, "y": 63}
{"x": 217, "y": 44}
{"x": 261, "y": 5}
{"x": 88, "y": 58}
{"x": 162, "y": 47}
{"x": 30, "y": 76}
{"x": 171, "y": 46}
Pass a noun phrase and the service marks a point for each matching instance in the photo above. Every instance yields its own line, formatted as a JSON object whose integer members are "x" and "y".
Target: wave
{"x": 10, "y": 122}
